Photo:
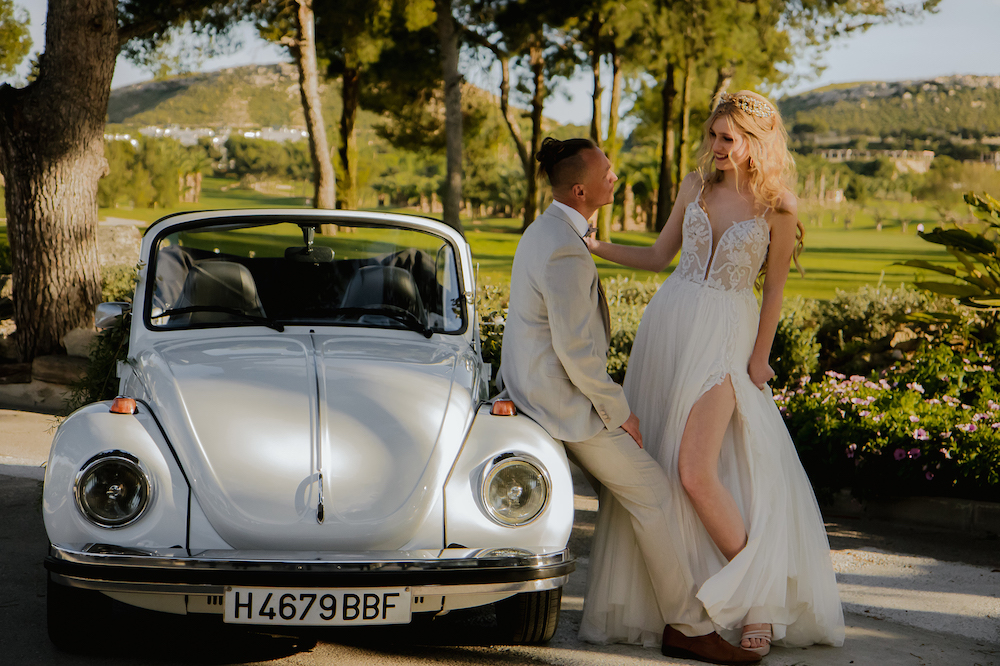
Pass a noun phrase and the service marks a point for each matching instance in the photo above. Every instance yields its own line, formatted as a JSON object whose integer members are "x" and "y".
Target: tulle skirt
{"x": 691, "y": 337}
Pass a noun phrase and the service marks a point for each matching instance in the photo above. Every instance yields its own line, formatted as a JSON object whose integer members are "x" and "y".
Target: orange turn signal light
{"x": 123, "y": 405}
{"x": 503, "y": 408}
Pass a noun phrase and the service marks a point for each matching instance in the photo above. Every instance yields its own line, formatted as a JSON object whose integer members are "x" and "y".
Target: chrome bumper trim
{"x": 175, "y": 571}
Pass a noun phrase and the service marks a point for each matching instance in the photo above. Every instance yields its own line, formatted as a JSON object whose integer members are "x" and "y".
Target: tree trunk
{"x": 724, "y": 76}
{"x": 684, "y": 148}
{"x": 51, "y": 157}
{"x": 304, "y": 53}
{"x": 512, "y": 124}
{"x": 611, "y": 145}
{"x": 448, "y": 36}
{"x": 596, "y": 122}
{"x": 348, "y": 150}
{"x": 527, "y": 159}
{"x": 537, "y": 62}
{"x": 664, "y": 198}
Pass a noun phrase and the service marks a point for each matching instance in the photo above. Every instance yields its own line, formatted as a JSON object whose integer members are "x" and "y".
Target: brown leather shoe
{"x": 710, "y": 647}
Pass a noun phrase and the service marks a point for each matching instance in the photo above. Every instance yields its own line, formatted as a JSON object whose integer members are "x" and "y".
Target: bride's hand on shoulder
{"x": 590, "y": 240}
{"x": 760, "y": 372}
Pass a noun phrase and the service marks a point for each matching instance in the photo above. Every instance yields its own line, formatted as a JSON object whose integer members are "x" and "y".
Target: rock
{"x": 58, "y": 369}
{"x": 6, "y": 286}
{"x": 35, "y": 397}
{"x": 901, "y": 336}
{"x": 118, "y": 244}
{"x": 77, "y": 342}
{"x": 15, "y": 373}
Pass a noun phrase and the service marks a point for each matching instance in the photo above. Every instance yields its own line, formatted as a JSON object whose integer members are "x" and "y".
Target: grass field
{"x": 834, "y": 257}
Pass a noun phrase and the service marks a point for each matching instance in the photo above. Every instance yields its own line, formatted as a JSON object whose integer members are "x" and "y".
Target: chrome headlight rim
{"x": 500, "y": 462}
{"x": 127, "y": 460}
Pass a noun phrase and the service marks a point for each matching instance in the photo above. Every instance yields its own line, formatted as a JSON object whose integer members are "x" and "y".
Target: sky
{"x": 960, "y": 38}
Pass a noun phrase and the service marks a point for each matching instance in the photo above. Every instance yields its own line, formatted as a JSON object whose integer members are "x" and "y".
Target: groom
{"x": 554, "y": 369}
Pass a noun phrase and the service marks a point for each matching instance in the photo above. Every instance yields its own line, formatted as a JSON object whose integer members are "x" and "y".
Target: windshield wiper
{"x": 266, "y": 321}
{"x": 398, "y": 314}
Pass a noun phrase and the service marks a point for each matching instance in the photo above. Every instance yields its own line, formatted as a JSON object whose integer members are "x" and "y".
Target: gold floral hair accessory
{"x": 751, "y": 105}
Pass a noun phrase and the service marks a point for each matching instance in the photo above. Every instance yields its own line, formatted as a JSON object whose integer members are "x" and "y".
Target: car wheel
{"x": 531, "y": 617}
{"x": 75, "y": 617}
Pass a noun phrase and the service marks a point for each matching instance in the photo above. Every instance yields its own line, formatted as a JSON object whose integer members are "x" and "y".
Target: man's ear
{"x": 579, "y": 191}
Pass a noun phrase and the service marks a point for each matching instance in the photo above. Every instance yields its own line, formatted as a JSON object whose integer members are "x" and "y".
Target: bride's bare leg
{"x": 698, "y": 465}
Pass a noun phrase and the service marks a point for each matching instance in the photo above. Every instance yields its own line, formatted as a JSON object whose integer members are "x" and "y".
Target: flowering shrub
{"x": 929, "y": 429}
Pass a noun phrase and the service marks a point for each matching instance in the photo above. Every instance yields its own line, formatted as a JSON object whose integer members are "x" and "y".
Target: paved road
{"x": 913, "y": 598}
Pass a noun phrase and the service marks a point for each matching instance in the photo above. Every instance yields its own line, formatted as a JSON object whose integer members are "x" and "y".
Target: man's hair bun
{"x": 554, "y": 151}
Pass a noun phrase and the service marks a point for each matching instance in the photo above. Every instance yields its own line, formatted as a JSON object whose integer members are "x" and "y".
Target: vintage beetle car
{"x": 303, "y": 438}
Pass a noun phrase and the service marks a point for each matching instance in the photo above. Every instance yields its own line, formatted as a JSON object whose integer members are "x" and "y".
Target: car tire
{"x": 531, "y": 617}
{"x": 75, "y": 617}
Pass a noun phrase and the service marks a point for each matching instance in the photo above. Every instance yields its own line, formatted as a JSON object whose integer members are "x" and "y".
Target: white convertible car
{"x": 303, "y": 438}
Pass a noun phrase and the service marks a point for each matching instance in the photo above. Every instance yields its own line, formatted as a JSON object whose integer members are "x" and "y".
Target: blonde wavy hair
{"x": 772, "y": 167}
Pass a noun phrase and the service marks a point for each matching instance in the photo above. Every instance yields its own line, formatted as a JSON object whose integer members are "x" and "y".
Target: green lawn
{"x": 834, "y": 257}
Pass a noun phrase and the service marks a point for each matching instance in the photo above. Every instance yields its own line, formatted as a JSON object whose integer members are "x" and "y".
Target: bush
{"x": 929, "y": 429}
{"x": 118, "y": 283}
{"x": 795, "y": 351}
{"x": 100, "y": 381}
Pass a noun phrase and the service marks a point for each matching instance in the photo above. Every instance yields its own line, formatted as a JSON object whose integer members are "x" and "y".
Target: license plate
{"x": 316, "y": 607}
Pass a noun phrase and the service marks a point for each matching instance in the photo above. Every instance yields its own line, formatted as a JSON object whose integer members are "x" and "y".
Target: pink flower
{"x": 914, "y": 386}
{"x": 968, "y": 427}
{"x": 864, "y": 412}
{"x": 851, "y": 449}
{"x": 988, "y": 368}
{"x": 946, "y": 453}
{"x": 857, "y": 378}
{"x": 913, "y": 453}
{"x": 914, "y": 418}
{"x": 899, "y": 454}
{"x": 921, "y": 434}
{"x": 929, "y": 476}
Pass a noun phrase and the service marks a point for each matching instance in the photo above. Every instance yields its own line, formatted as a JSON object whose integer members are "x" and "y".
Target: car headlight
{"x": 515, "y": 489}
{"x": 112, "y": 490}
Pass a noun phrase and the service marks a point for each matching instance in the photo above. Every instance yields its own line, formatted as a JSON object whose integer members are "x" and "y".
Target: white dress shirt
{"x": 580, "y": 223}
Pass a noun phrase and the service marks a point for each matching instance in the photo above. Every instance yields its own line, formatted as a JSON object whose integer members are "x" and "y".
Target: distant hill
{"x": 237, "y": 97}
{"x": 967, "y": 105}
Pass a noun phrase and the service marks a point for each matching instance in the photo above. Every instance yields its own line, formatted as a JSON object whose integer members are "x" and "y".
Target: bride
{"x": 752, "y": 535}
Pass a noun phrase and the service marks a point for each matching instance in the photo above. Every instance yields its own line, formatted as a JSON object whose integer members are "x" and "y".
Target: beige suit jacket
{"x": 553, "y": 363}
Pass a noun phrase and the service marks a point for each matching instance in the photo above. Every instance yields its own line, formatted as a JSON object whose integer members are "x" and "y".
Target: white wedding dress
{"x": 700, "y": 326}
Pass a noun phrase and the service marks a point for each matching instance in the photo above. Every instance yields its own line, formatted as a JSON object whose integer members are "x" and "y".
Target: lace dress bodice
{"x": 738, "y": 256}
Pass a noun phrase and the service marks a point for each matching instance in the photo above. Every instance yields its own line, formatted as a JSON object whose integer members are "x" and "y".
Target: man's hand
{"x": 631, "y": 426}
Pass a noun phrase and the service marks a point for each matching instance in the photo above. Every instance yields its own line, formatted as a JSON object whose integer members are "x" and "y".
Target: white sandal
{"x": 763, "y": 634}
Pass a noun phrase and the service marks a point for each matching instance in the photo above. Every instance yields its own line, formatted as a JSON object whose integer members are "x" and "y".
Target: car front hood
{"x": 268, "y": 429}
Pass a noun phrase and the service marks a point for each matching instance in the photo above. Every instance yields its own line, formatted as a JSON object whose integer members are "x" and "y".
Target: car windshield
{"x": 249, "y": 274}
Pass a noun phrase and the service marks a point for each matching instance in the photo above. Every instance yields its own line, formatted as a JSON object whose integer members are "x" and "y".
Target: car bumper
{"x": 178, "y": 571}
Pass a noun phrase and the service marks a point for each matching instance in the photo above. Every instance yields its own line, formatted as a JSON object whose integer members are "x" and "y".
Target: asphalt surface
{"x": 912, "y": 596}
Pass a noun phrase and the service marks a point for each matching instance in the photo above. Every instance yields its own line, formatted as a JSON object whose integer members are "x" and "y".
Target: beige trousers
{"x": 640, "y": 485}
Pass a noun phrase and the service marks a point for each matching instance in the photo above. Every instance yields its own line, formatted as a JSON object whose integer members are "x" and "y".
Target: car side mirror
{"x": 106, "y": 313}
